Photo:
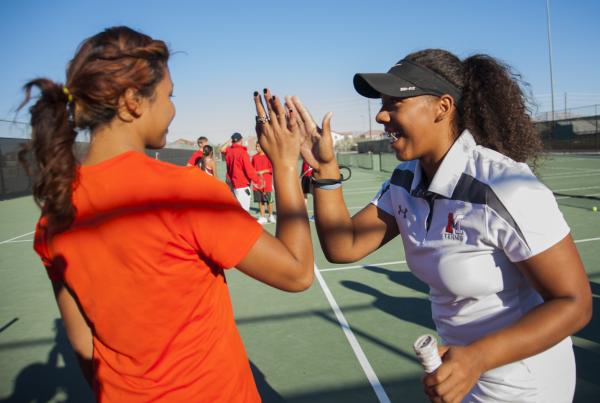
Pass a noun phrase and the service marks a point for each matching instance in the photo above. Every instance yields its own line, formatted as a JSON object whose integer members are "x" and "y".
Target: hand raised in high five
{"x": 278, "y": 132}
{"x": 317, "y": 143}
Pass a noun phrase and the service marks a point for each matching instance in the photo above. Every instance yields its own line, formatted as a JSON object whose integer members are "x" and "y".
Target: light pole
{"x": 369, "y": 106}
{"x": 550, "y": 58}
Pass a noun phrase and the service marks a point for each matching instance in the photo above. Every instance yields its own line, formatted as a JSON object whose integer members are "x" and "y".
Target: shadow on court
{"x": 46, "y": 381}
{"x": 592, "y": 331}
{"x": 403, "y": 278}
{"x": 415, "y": 310}
{"x": 267, "y": 393}
{"x": 398, "y": 390}
{"x": 51, "y": 381}
{"x": 588, "y": 359}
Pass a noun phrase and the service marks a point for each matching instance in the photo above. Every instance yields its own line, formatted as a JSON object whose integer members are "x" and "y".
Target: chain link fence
{"x": 14, "y": 181}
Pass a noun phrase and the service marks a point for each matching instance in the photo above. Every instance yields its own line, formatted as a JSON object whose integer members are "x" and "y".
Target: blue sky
{"x": 309, "y": 48}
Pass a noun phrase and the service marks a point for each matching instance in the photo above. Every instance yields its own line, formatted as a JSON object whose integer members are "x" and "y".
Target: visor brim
{"x": 374, "y": 85}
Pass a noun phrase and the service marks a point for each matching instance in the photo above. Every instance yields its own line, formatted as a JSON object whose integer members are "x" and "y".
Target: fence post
{"x": 597, "y": 134}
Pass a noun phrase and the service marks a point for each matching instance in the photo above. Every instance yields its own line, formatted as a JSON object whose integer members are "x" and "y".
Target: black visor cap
{"x": 404, "y": 80}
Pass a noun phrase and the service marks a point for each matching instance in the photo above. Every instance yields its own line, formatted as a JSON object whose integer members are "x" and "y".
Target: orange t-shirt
{"x": 145, "y": 258}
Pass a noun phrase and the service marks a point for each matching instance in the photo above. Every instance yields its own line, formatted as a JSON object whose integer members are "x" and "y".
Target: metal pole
{"x": 550, "y": 58}
{"x": 565, "y": 106}
{"x": 369, "y": 105}
{"x": 597, "y": 134}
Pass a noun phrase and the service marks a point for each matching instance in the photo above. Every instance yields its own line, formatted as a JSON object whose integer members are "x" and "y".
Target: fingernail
{"x": 255, "y": 93}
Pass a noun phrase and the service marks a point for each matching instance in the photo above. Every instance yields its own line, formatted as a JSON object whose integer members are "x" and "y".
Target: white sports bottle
{"x": 427, "y": 353}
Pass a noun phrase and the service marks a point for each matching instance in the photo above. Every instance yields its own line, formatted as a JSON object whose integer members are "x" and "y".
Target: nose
{"x": 382, "y": 117}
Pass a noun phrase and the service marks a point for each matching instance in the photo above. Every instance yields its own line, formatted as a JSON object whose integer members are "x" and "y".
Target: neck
{"x": 431, "y": 161}
{"x": 111, "y": 140}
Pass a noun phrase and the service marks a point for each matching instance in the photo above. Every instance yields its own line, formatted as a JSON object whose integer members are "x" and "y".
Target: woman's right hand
{"x": 317, "y": 143}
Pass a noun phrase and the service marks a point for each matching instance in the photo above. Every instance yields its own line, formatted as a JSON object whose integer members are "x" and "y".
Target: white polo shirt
{"x": 481, "y": 212}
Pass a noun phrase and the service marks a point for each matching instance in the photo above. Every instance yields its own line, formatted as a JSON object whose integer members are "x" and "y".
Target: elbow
{"x": 585, "y": 310}
{"x": 334, "y": 256}
{"x": 302, "y": 283}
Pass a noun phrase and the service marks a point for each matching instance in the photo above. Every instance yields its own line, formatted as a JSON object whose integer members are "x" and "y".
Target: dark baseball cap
{"x": 404, "y": 80}
{"x": 236, "y": 136}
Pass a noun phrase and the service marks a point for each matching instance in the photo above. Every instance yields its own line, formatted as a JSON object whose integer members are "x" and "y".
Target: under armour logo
{"x": 403, "y": 212}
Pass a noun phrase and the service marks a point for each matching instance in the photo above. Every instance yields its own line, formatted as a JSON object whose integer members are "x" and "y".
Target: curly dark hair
{"x": 493, "y": 102}
{"x": 104, "y": 67}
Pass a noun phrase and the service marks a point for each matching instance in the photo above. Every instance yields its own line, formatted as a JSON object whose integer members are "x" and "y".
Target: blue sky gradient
{"x": 228, "y": 49}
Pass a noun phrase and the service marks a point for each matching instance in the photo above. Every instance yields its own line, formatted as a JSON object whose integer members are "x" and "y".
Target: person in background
{"x": 136, "y": 249}
{"x": 240, "y": 171}
{"x": 262, "y": 190}
{"x": 306, "y": 182}
{"x": 208, "y": 163}
{"x": 507, "y": 285}
{"x": 196, "y": 157}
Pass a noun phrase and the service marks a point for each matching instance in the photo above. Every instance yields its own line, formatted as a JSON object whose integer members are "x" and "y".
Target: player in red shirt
{"x": 137, "y": 249}
{"x": 263, "y": 189}
{"x": 240, "y": 171}
{"x": 196, "y": 157}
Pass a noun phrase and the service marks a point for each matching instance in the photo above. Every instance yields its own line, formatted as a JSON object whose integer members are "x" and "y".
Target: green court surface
{"x": 346, "y": 339}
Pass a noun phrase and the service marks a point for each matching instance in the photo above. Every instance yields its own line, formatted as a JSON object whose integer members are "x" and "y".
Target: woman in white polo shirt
{"x": 507, "y": 284}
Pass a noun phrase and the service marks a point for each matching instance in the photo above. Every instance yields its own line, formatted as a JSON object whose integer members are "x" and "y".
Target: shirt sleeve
{"x": 220, "y": 230}
{"x": 248, "y": 168}
{"x": 383, "y": 199}
{"x": 194, "y": 158}
{"x": 524, "y": 219}
{"x": 40, "y": 245}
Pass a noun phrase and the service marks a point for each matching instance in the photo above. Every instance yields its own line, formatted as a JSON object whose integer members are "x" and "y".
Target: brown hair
{"x": 104, "y": 67}
{"x": 493, "y": 102}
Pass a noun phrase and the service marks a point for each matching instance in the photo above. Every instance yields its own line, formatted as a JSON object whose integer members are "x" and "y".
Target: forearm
{"x": 77, "y": 329}
{"x": 333, "y": 221}
{"x": 540, "y": 329}
{"x": 293, "y": 229}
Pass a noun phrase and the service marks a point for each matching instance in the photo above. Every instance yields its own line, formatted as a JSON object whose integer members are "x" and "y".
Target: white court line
{"x": 349, "y": 208}
{"x": 569, "y": 169}
{"x": 358, "y": 352}
{"x": 582, "y": 188}
{"x": 573, "y": 175}
{"x": 404, "y": 261}
{"x": 17, "y": 237}
{"x": 363, "y": 265}
{"x": 25, "y": 240}
{"x": 368, "y": 190}
{"x": 587, "y": 240}
{"x": 576, "y": 196}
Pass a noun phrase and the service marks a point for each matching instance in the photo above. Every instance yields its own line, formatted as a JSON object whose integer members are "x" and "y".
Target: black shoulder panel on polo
{"x": 383, "y": 191}
{"x": 402, "y": 178}
{"x": 470, "y": 190}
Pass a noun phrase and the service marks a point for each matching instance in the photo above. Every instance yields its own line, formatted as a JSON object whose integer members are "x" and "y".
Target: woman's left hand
{"x": 461, "y": 368}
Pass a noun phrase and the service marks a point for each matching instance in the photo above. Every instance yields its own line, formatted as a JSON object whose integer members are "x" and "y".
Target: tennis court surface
{"x": 347, "y": 339}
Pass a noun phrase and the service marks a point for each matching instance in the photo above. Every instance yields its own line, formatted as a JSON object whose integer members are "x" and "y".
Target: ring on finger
{"x": 262, "y": 119}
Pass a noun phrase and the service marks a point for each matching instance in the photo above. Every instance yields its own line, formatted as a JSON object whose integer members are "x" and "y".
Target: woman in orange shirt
{"x": 135, "y": 248}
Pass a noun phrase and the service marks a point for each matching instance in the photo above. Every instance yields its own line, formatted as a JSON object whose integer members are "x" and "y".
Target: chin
{"x": 402, "y": 154}
{"x": 158, "y": 144}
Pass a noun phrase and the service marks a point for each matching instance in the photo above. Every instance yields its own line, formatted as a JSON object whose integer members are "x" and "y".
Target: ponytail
{"x": 492, "y": 105}
{"x": 494, "y": 109}
{"x": 52, "y": 138}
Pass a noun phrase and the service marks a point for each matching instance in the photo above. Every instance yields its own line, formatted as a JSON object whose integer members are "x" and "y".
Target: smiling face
{"x": 413, "y": 127}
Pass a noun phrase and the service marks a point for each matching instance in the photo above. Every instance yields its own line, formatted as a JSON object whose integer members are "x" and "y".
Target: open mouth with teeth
{"x": 393, "y": 136}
